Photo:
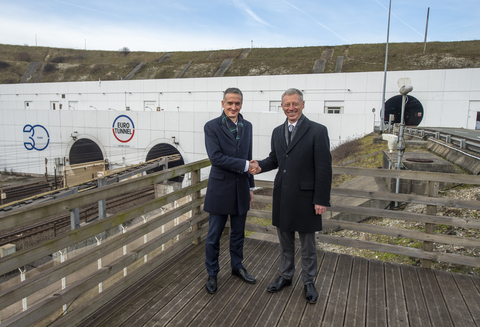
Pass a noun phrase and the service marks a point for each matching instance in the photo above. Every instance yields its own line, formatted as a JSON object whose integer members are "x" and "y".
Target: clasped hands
{"x": 254, "y": 168}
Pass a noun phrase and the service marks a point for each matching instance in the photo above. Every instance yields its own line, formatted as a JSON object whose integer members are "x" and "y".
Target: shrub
{"x": 23, "y": 56}
{"x": 345, "y": 149}
{"x": 48, "y": 68}
{"x": 4, "y": 65}
{"x": 60, "y": 59}
{"x": 125, "y": 51}
{"x": 97, "y": 68}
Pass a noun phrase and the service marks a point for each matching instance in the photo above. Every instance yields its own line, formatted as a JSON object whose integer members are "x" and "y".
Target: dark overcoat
{"x": 228, "y": 190}
{"x": 304, "y": 176}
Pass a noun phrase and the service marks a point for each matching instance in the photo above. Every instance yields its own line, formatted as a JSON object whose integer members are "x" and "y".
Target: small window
{"x": 275, "y": 106}
{"x": 333, "y": 110}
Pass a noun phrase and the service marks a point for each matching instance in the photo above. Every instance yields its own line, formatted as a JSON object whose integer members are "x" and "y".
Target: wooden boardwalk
{"x": 352, "y": 292}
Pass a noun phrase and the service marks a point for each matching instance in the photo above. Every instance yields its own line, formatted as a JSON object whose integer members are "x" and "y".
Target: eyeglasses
{"x": 288, "y": 104}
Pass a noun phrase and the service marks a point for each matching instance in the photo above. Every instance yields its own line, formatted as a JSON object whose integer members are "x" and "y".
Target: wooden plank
{"x": 140, "y": 293}
{"x": 273, "y": 309}
{"x": 453, "y": 298}
{"x": 406, "y": 174}
{"x": 395, "y": 298}
{"x": 49, "y": 276}
{"x": 406, "y": 233}
{"x": 31, "y": 214}
{"x": 401, "y": 250}
{"x": 357, "y": 294}
{"x": 248, "y": 296}
{"x": 165, "y": 307}
{"x": 170, "y": 286}
{"x": 292, "y": 315}
{"x": 376, "y": 306}
{"x": 228, "y": 301}
{"x": 109, "y": 270}
{"x": 337, "y": 301}
{"x": 410, "y": 216}
{"x": 21, "y": 258}
{"x": 436, "y": 307}
{"x": 470, "y": 294}
{"x": 253, "y": 310}
{"x": 406, "y": 198}
{"x": 416, "y": 307}
{"x": 313, "y": 315}
{"x": 397, "y": 197}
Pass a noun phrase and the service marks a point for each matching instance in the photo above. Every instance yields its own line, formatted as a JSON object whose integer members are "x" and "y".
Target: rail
{"x": 53, "y": 292}
{"x": 460, "y": 143}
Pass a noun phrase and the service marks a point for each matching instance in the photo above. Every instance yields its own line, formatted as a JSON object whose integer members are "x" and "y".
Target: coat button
{"x": 284, "y": 171}
{"x": 286, "y": 156}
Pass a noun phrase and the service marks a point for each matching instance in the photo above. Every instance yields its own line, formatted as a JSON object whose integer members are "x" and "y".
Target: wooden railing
{"x": 51, "y": 292}
{"x": 430, "y": 219}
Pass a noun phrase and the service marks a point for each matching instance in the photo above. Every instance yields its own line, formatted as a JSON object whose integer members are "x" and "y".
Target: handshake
{"x": 254, "y": 168}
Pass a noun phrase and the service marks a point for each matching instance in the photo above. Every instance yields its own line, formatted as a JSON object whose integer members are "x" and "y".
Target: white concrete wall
{"x": 187, "y": 104}
{"x": 445, "y": 94}
{"x": 151, "y": 128}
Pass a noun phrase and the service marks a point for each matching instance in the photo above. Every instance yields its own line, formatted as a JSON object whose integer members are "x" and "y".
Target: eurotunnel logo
{"x": 35, "y": 137}
{"x": 123, "y": 128}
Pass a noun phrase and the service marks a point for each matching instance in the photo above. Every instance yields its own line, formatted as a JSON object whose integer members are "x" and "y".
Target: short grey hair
{"x": 234, "y": 90}
{"x": 293, "y": 91}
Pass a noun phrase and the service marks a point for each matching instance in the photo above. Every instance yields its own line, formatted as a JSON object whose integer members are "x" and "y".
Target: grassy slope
{"x": 91, "y": 65}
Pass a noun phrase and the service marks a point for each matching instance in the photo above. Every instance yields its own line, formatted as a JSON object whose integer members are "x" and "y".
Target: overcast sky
{"x": 183, "y": 25}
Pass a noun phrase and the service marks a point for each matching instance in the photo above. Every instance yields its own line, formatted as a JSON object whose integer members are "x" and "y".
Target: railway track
{"x": 16, "y": 193}
{"x": 61, "y": 224}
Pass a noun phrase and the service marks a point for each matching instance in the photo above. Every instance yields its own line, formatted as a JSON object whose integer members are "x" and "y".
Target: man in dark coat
{"x": 300, "y": 149}
{"x": 228, "y": 140}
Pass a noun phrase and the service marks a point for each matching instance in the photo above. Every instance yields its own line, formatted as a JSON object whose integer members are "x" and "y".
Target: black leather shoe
{"x": 211, "y": 285}
{"x": 242, "y": 273}
{"x": 279, "y": 284}
{"x": 311, "y": 293}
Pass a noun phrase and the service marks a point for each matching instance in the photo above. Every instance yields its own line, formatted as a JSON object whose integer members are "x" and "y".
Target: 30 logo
{"x": 35, "y": 137}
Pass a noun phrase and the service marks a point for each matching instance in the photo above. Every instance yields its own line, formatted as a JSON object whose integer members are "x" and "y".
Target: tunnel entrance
{"x": 413, "y": 114}
{"x": 84, "y": 150}
{"x": 162, "y": 150}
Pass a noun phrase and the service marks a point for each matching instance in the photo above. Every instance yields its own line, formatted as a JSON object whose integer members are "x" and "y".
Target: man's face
{"x": 292, "y": 107}
{"x": 232, "y": 105}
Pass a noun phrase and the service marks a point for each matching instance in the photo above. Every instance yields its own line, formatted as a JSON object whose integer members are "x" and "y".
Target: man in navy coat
{"x": 228, "y": 140}
{"x": 300, "y": 149}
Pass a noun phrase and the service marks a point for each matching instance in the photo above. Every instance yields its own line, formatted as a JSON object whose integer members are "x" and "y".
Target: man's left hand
{"x": 251, "y": 196}
{"x": 320, "y": 209}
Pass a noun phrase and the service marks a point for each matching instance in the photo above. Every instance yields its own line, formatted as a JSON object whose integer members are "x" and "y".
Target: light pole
{"x": 382, "y": 113}
{"x": 404, "y": 90}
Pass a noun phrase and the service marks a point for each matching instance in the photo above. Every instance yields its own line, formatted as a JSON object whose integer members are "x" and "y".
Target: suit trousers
{"x": 287, "y": 253}
{"x": 212, "y": 245}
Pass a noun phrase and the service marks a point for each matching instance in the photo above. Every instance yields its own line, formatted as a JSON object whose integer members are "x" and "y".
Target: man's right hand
{"x": 254, "y": 168}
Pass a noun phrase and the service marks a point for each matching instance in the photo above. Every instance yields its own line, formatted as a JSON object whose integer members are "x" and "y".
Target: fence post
{"x": 22, "y": 278}
{"x": 99, "y": 261}
{"x": 196, "y": 195}
{"x": 432, "y": 190}
{"x": 75, "y": 214}
{"x": 64, "y": 279}
{"x": 102, "y": 204}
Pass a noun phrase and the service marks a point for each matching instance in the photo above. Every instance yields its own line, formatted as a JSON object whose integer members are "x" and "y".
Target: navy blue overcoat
{"x": 228, "y": 191}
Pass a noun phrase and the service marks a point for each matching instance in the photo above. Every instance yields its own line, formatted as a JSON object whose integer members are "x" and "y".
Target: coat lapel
{"x": 302, "y": 129}
{"x": 226, "y": 131}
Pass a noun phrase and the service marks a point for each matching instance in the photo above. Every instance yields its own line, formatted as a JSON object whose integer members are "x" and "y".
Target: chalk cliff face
{"x": 24, "y": 64}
